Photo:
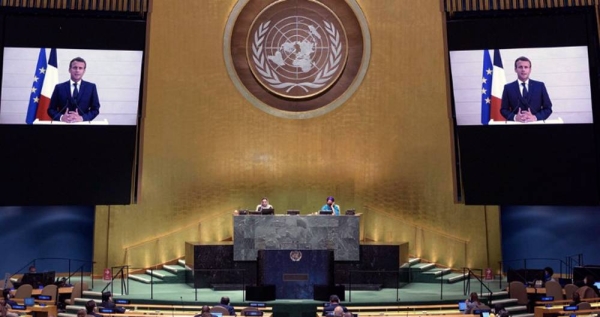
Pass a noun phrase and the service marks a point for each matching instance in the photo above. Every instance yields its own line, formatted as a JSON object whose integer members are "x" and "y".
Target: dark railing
{"x": 565, "y": 267}
{"x": 572, "y": 261}
{"x": 467, "y": 282}
{"x": 121, "y": 274}
{"x": 81, "y": 269}
{"x": 488, "y": 5}
{"x": 206, "y": 273}
{"x": 372, "y": 275}
{"x": 140, "y": 6}
{"x": 214, "y": 272}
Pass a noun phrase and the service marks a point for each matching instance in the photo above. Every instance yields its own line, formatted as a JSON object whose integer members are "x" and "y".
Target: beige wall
{"x": 387, "y": 152}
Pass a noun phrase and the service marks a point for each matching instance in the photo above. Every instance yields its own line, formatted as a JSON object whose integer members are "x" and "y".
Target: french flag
{"x": 45, "y": 79}
{"x": 498, "y": 82}
{"x": 50, "y": 81}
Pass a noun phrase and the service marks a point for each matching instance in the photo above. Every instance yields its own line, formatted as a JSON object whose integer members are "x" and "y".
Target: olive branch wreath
{"x": 323, "y": 76}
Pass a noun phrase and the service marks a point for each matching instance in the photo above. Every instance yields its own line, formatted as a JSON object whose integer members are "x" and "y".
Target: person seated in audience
{"x": 225, "y": 304}
{"x": 91, "y": 309}
{"x": 4, "y": 307}
{"x": 591, "y": 282}
{"x": 576, "y": 299}
{"x": 500, "y": 311}
{"x": 81, "y": 313}
{"x": 338, "y": 311}
{"x": 548, "y": 274}
{"x": 204, "y": 312}
{"x": 334, "y": 301}
{"x": 472, "y": 303}
{"x": 6, "y": 295}
{"x": 108, "y": 302}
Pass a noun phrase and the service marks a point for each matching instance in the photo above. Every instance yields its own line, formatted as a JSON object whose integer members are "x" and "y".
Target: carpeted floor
{"x": 411, "y": 294}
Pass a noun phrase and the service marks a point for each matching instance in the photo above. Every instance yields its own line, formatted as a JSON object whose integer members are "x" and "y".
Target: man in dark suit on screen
{"x": 75, "y": 100}
{"x": 525, "y": 100}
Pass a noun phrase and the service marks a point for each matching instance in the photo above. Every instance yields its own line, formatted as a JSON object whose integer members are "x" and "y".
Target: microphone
{"x": 74, "y": 102}
{"x": 61, "y": 110}
{"x": 524, "y": 103}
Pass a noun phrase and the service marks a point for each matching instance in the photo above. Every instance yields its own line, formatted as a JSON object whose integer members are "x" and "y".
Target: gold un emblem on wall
{"x": 296, "y": 58}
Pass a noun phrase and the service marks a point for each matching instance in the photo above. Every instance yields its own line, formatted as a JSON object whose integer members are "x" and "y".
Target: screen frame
{"x": 102, "y": 161}
{"x": 572, "y": 150}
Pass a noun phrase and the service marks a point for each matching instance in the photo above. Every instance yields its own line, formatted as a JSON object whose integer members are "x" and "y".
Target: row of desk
{"x": 42, "y": 308}
{"x": 543, "y": 311}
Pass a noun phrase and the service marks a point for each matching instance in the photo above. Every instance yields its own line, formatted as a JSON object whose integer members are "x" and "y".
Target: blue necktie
{"x": 75, "y": 91}
{"x": 525, "y": 92}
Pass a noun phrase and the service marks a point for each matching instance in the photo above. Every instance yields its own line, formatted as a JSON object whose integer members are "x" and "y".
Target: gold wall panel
{"x": 387, "y": 152}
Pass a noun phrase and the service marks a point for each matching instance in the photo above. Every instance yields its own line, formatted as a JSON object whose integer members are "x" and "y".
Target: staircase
{"x": 429, "y": 273}
{"x": 169, "y": 274}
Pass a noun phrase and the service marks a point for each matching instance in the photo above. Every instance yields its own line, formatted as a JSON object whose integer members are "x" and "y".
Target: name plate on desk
{"x": 282, "y": 232}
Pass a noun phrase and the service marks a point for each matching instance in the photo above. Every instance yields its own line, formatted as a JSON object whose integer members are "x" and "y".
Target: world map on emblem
{"x": 297, "y": 55}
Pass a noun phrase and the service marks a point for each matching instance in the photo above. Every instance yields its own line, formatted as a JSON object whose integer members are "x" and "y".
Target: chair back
{"x": 220, "y": 309}
{"x": 519, "y": 292}
{"x": 554, "y": 289}
{"x": 51, "y": 290}
{"x": 8, "y": 285}
{"x": 24, "y": 291}
{"x": 569, "y": 290}
{"x": 584, "y": 305}
{"x": 586, "y": 292}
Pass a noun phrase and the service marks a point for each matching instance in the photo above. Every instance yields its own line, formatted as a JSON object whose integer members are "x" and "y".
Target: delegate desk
{"x": 538, "y": 291}
{"x": 552, "y": 311}
{"x": 283, "y": 232}
{"x": 38, "y": 291}
{"x": 39, "y": 311}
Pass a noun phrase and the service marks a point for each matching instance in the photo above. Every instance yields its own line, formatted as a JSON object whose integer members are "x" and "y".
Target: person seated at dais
{"x": 331, "y": 206}
{"x": 264, "y": 204}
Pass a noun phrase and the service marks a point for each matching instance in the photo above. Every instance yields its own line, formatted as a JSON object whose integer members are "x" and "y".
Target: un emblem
{"x": 297, "y": 54}
{"x": 296, "y": 58}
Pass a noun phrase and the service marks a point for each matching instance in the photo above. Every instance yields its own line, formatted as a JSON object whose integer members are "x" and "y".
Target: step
{"x": 161, "y": 274}
{"x": 413, "y": 261}
{"x": 73, "y": 308}
{"x": 83, "y": 301}
{"x": 456, "y": 277}
{"x": 499, "y": 294}
{"x": 181, "y": 262}
{"x": 142, "y": 278}
{"x": 523, "y": 315}
{"x": 504, "y": 301}
{"x": 422, "y": 267}
{"x": 434, "y": 275}
{"x": 438, "y": 272}
{"x": 91, "y": 294}
{"x": 512, "y": 309}
{"x": 175, "y": 269}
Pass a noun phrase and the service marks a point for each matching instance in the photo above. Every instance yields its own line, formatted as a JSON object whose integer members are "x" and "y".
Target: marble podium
{"x": 283, "y": 232}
